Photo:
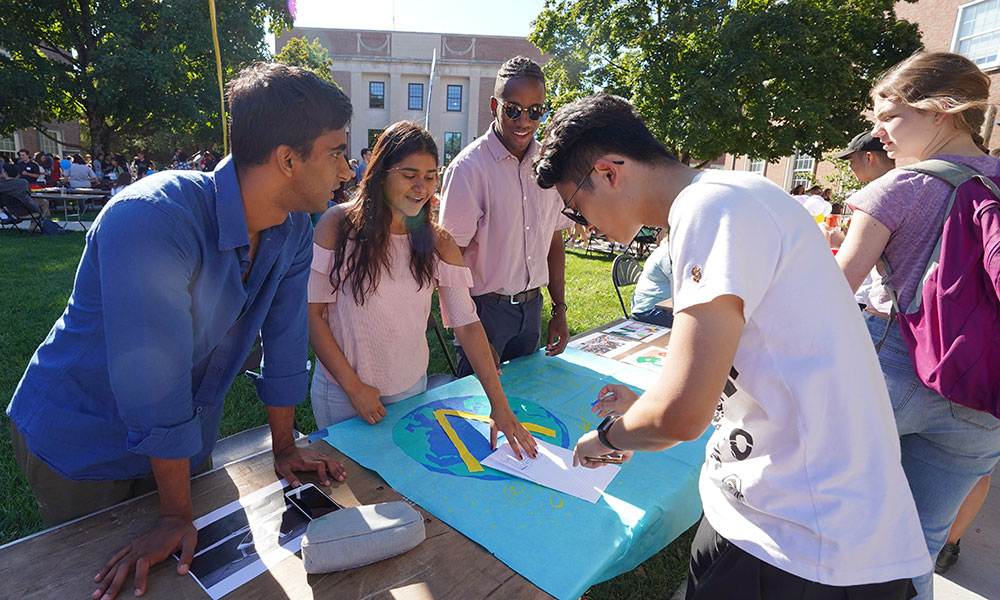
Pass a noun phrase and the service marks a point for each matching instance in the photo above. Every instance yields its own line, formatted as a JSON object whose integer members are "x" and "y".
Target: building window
{"x": 455, "y": 98}
{"x": 802, "y": 169}
{"x": 8, "y": 143}
{"x": 373, "y": 135}
{"x": 47, "y": 145}
{"x": 977, "y": 33}
{"x": 415, "y": 95}
{"x": 452, "y": 146}
{"x": 755, "y": 165}
{"x": 376, "y": 94}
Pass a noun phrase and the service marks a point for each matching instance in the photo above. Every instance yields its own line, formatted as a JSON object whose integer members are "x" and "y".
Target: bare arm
{"x": 864, "y": 244}
{"x": 173, "y": 529}
{"x": 558, "y": 332}
{"x": 364, "y": 398}
{"x": 289, "y": 458}
{"x": 680, "y": 405}
{"x": 472, "y": 336}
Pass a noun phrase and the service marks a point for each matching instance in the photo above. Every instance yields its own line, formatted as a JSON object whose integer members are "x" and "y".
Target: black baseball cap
{"x": 861, "y": 142}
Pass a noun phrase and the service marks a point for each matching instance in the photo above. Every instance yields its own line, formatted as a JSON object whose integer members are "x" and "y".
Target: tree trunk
{"x": 100, "y": 132}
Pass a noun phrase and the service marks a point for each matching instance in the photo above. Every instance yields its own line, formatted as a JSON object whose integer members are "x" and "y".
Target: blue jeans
{"x": 655, "y": 316}
{"x": 331, "y": 405}
{"x": 946, "y": 447}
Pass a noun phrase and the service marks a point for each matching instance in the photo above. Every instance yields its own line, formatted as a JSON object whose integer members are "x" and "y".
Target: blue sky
{"x": 483, "y": 17}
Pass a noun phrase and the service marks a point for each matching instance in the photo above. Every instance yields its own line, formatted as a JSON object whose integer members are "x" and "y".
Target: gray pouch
{"x": 361, "y": 535}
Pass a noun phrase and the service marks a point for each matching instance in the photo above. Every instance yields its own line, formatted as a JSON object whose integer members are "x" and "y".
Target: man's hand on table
{"x": 558, "y": 333}
{"x": 502, "y": 418}
{"x": 590, "y": 445}
{"x": 167, "y": 534}
{"x": 292, "y": 458}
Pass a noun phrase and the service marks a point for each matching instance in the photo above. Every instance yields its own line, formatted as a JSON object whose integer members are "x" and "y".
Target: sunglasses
{"x": 513, "y": 111}
{"x": 571, "y": 213}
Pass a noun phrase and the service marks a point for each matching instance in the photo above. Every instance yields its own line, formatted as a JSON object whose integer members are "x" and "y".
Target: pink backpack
{"x": 952, "y": 326}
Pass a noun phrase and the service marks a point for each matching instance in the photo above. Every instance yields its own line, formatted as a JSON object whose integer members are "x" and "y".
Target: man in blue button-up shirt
{"x": 180, "y": 273}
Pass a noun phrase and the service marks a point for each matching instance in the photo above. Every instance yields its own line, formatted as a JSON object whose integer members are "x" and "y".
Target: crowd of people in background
{"x": 110, "y": 171}
{"x": 815, "y": 485}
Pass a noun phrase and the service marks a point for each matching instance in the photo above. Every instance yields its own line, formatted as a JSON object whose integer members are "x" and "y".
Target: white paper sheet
{"x": 242, "y": 539}
{"x": 603, "y": 344}
{"x": 553, "y": 467}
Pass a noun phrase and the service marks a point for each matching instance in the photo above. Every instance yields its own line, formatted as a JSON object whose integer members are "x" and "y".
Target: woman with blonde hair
{"x": 931, "y": 105}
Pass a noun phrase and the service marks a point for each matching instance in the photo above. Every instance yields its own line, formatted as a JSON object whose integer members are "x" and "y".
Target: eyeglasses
{"x": 571, "y": 213}
{"x": 513, "y": 110}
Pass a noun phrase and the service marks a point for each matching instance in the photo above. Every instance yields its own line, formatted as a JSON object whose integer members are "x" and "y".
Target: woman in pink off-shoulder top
{"x": 376, "y": 263}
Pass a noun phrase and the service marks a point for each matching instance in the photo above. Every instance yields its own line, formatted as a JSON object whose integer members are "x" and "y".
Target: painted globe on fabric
{"x": 424, "y": 438}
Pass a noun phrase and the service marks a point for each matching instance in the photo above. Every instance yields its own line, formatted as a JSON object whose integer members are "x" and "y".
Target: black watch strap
{"x": 604, "y": 427}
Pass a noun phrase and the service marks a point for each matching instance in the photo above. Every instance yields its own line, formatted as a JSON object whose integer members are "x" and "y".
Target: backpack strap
{"x": 955, "y": 174}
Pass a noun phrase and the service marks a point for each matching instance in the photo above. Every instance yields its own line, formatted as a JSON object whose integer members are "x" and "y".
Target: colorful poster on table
{"x": 636, "y": 330}
{"x": 648, "y": 358}
{"x": 603, "y": 344}
{"x": 429, "y": 449}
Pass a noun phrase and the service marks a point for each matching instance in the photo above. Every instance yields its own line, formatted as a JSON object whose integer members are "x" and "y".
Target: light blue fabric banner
{"x": 560, "y": 543}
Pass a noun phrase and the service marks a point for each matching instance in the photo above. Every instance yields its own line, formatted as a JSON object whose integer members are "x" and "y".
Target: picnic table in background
{"x": 83, "y": 198}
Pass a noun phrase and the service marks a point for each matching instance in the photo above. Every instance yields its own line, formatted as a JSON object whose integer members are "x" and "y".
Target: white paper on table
{"x": 603, "y": 344}
{"x": 637, "y": 330}
{"x": 553, "y": 467}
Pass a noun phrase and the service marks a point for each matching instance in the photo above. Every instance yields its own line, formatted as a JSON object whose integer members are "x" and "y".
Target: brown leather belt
{"x": 516, "y": 298}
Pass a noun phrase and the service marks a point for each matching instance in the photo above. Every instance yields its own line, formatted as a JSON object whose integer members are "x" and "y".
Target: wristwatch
{"x": 556, "y": 305}
{"x": 604, "y": 428}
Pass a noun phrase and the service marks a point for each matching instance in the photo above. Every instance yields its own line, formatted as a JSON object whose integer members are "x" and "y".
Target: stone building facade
{"x": 387, "y": 75}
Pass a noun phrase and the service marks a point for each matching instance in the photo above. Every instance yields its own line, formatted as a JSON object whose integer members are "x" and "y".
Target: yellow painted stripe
{"x": 470, "y": 461}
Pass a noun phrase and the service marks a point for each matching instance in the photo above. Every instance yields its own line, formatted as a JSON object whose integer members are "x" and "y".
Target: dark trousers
{"x": 512, "y": 329}
{"x": 720, "y": 570}
{"x": 60, "y": 499}
{"x": 655, "y": 316}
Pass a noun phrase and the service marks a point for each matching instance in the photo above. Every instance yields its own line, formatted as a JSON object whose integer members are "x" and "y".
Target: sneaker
{"x": 947, "y": 557}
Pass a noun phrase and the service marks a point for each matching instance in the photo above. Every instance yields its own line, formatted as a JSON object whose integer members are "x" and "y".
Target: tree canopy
{"x": 299, "y": 52}
{"x": 130, "y": 69}
{"x": 763, "y": 78}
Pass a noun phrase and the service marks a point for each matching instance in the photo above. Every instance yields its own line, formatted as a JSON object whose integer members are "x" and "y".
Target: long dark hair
{"x": 368, "y": 219}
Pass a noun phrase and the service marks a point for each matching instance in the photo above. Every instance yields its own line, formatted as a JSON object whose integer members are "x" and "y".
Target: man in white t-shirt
{"x": 802, "y": 487}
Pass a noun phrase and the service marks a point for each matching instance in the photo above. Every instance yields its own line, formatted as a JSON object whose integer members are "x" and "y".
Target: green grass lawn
{"x": 35, "y": 283}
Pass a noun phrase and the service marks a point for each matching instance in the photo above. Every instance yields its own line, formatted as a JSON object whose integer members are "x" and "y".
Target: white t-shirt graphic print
{"x": 803, "y": 470}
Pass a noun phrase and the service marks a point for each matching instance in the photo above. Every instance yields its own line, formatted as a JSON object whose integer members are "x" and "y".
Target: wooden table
{"x": 61, "y": 562}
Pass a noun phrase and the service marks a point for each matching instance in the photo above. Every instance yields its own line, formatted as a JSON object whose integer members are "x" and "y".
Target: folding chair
{"x": 432, "y": 324}
{"x": 17, "y": 210}
{"x": 624, "y": 271}
{"x": 639, "y": 246}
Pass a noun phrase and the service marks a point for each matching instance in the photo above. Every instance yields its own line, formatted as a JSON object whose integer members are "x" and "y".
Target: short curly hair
{"x": 517, "y": 68}
{"x": 583, "y": 130}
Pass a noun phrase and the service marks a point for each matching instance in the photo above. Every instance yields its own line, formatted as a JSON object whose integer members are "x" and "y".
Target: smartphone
{"x": 312, "y": 501}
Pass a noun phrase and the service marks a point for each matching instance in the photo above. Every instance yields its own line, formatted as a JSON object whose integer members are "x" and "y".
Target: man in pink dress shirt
{"x": 507, "y": 226}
